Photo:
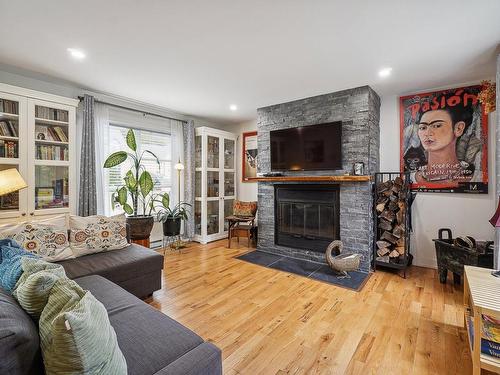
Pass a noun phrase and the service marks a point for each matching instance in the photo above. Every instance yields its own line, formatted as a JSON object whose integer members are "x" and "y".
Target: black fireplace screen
{"x": 307, "y": 216}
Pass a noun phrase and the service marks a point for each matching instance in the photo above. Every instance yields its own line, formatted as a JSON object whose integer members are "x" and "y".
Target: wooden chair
{"x": 242, "y": 222}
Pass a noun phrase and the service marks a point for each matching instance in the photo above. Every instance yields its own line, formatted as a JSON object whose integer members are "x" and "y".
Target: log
{"x": 389, "y": 237}
{"x": 400, "y": 217}
{"x": 401, "y": 242}
{"x": 388, "y": 215}
{"x": 400, "y": 250}
{"x": 380, "y": 207}
{"x": 393, "y": 254}
{"x": 385, "y": 224}
{"x": 398, "y": 181}
{"x": 382, "y": 252}
{"x": 383, "y": 259}
{"x": 383, "y": 244}
{"x": 398, "y": 231}
{"x": 393, "y": 206}
{"x": 382, "y": 199}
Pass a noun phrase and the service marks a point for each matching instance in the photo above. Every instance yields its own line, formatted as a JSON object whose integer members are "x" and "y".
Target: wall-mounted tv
{"x": 306, "y": 148}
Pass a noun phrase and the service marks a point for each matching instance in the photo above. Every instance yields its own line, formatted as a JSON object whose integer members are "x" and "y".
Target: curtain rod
{"x": 135, "y": 110}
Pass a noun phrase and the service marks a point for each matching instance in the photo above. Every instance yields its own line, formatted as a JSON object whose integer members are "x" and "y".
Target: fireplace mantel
{"x": 312, "y": 179}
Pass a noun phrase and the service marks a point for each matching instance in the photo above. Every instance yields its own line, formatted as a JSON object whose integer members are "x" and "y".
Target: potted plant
{"x": 172, "y": 217}
{"x": 137, "y": 191}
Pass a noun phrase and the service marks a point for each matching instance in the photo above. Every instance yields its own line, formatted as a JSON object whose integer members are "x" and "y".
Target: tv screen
{"x": 313, "y": 147}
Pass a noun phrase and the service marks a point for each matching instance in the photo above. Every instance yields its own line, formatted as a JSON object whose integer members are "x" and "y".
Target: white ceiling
{"x": 198, "y": 57}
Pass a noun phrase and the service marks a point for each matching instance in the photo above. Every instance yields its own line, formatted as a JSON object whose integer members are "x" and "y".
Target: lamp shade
{"x": 179, "y": 166}
{"x": 495, "y": 220}
{"x": 10, "y": 181}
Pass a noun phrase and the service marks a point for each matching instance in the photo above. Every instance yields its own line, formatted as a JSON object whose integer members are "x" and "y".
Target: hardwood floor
{"x": 272, "y": 322}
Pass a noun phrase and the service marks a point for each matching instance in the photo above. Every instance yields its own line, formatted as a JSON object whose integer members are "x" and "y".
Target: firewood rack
{"x": 391, "y": 221}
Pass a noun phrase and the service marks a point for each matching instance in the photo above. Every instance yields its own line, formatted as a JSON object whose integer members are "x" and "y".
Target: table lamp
{"x": 11, "y": 181}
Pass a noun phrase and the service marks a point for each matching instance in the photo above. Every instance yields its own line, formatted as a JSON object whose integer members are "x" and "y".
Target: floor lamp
{"x": 179, "y": 167}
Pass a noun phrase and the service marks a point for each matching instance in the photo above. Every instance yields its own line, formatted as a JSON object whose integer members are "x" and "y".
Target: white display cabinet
{"x": 215, "y": 182}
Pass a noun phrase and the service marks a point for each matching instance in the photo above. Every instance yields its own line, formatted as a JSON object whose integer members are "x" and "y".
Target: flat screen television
{"x": 307, "y": 148}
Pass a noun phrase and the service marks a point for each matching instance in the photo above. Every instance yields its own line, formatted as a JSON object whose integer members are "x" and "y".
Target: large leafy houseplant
{"x": 172, "y": 217}
{"x": 137, "y": 190}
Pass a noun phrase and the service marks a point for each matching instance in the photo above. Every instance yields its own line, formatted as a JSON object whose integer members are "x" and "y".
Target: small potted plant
{"x": 136, "y": 195}
{"x": 172, "y": 217}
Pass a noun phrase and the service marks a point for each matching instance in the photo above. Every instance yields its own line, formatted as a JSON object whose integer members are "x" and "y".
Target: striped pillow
{"x": 33, "y": 288}
{"x": 76, "y": 335}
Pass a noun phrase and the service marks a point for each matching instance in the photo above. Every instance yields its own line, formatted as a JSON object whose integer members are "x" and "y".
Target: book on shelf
{"x": 51, "y": 113}
{"x": 50, "y": 133}
{"x": 8, "y": 149}
{"x": 49, "y": 152}
{"x": 490, "y": 335}
{"x": 9, "y": 106}
{"x": 8, "y": 129}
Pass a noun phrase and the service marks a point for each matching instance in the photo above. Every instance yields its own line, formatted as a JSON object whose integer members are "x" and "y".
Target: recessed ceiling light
{"x": 76, "y": 53}
{"x": 233, "y": 107}
{"x": 386, "y": 72}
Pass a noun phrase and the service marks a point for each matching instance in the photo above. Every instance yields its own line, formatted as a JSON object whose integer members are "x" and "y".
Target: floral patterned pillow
{"x": 94, "y": 234}
{"x": 47, "y": 239}
{"x": 246, "y": 209}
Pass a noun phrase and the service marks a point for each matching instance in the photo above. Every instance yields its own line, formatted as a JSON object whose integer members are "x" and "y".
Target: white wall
{"x": 464, "y": 214}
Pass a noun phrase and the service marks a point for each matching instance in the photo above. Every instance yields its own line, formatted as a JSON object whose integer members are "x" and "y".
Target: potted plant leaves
{"x": 135, "y": 196}
{"x": 172, "y": 217}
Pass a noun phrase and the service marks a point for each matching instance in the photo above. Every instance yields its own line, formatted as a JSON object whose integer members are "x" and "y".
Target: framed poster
{"x": 444, "y": 141}
{"x": 249, "y": 156}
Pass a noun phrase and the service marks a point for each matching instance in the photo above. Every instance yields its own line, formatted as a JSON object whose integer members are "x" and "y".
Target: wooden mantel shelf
{"x": 311, "y": 179}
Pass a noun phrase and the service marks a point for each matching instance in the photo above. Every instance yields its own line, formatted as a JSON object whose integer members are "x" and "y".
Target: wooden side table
{"x": 481, "y": 296}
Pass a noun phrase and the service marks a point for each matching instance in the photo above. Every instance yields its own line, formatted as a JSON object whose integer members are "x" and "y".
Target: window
{"x": 156, "y": 142}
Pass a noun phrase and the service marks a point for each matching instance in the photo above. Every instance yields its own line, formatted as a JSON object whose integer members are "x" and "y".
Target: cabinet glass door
{"x": 51, "y": 154}
{"x": 229, "y": 188}
{"x": 212, "y": 217}
{"x": 229, "y": 153}
{"x": 212, "y": 184}
{"x": 212, "y": 152}
{"x": 13, "y": 151}
{"x": 197, "y": 151}
{"x": 228, "y": 211}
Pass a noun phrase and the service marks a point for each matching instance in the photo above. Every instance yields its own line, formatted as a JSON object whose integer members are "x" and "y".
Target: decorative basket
{"x": 341, "y": 262}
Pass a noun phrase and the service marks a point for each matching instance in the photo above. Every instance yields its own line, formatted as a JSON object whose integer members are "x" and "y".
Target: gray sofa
{"x": 151, "y": 342}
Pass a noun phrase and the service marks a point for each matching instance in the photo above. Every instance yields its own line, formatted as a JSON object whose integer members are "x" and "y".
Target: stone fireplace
{"x": 300, "y": 219}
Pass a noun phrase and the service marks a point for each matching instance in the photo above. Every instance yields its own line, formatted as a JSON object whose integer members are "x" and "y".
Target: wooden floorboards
{"x": 271, "y": 322}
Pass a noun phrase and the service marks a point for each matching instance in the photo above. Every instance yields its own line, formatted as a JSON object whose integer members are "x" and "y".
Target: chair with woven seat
{"x": 341, "y": 263}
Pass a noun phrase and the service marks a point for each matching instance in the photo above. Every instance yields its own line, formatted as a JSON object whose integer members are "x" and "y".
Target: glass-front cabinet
{"x": 215, "y": 182}
{"x": 37, "y": 134}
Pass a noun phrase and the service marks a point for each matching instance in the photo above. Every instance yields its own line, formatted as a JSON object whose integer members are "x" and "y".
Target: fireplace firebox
{"x": 306, "y": 216}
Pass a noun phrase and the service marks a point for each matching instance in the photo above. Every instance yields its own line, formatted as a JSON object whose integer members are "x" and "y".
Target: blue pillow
{"x": 7, "y": 242}
{"x": 10, "y": 267}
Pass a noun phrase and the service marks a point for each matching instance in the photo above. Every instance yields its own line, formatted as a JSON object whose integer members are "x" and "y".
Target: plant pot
{"x": 140, "y": 226}
{"x": 172, "y": 227}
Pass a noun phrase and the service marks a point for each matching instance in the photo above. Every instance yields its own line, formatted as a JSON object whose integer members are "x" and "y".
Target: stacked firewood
{"x": 391, "y": 214}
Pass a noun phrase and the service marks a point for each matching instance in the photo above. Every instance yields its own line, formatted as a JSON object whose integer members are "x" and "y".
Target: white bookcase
{"x": 37, "y": 136}
{"x": 215, "y": 182}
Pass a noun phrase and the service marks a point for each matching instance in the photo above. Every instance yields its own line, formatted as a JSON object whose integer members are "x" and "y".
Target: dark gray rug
{"x": 306, "y": 268}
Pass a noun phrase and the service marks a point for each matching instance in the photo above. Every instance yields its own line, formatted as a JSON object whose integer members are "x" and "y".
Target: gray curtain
{"x": 188, "y": 136}
{"x": 87, "y": 194}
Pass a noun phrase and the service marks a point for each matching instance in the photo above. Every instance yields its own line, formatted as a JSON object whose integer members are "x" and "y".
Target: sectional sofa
{"x": 151, "y": 342}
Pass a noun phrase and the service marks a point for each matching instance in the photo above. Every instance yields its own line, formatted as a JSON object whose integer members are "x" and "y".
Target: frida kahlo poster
{"x": 444, "y": 141}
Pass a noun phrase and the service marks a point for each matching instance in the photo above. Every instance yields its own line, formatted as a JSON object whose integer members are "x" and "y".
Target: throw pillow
{"x": 247, "y": 209}
{"x": 10, "y": 268}
{"x": 76, "y": 335}
{"x": 46, "y": 238}
{"x": 33, "y": 287}
{"x": 93, "y": 234}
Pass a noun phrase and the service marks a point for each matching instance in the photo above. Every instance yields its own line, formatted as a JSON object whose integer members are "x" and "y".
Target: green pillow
{"x": 33, "y": 287}
{"x": 76, "y": 335}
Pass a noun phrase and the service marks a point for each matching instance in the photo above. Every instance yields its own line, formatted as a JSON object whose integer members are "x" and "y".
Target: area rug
{"x": 306, "y": 268}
